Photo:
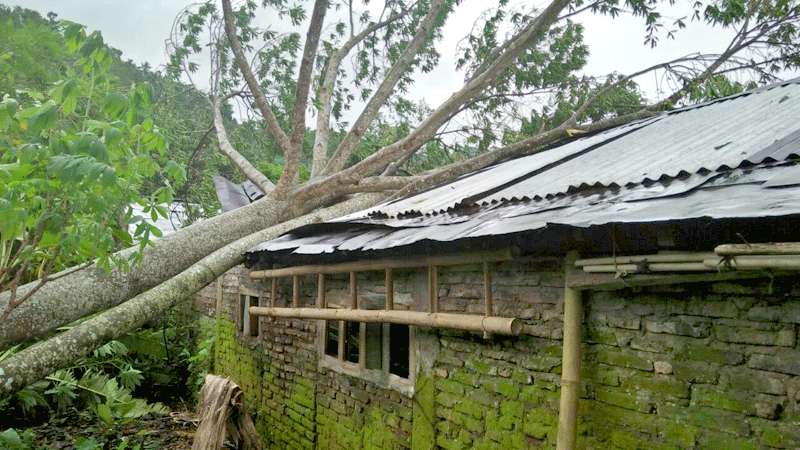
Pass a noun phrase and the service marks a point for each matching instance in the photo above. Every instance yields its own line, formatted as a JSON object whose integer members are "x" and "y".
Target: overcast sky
{"x": 139, "y": 29}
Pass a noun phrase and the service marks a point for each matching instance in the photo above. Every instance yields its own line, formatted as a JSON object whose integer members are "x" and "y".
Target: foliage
{"x": 102, "y": 384}
{"x": 32, "y": 54}
{"x": 72, "y": 162}
{"x": 11, "y": 439}
{"x": 199, "y": 363}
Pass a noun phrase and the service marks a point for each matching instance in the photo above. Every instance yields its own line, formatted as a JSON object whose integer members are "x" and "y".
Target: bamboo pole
{"x": 273, "y": 294}
{"x": 381, "y": 264}
{"x": 570, "y": 367}
{"x": 648, "y": 267}
{"x": 465, "y": 322}
{"x": 433, "y": 289}
{"x": 296, "y": 291}
{"x": 611, "y": 282}
{"x": 653, "y": 258}
{"x": 389, "y": 304}
{"x": 756, "y": 262}
{"x": 767, "y": 248}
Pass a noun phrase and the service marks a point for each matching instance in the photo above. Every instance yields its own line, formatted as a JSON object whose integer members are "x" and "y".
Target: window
{"x": 248, "y": 325}
{"x": 332, "y": 338}
{"x": 376, "y": 352}
{"x": 398, "y": 350}
{"x": 372, "y": 347}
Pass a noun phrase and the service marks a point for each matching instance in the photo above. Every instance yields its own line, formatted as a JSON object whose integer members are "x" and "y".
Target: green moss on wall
{"x": 423, "y": 435}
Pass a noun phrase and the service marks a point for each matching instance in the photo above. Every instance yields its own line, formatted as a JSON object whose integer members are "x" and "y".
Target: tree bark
{"x": 252, "y": 174}
{"x": 88, "y": 290}
{"x": 45, "y": 357}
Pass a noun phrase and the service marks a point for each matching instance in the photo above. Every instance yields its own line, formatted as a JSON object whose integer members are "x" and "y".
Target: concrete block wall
{"x": 691, "y": 366}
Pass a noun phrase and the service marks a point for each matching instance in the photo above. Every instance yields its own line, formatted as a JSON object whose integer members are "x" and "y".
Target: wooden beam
{"x": 353, "y": 290}
{"x": 362, "y": 345}
{"x": 342, "y": 331}
{"x": 488, "y": 300}
{"x": 389, "y": 284}
{"x": 322, "y": 301}
{"x": 296, "y": 291}
{"x": 433, "y": 289}
{"x": 465, "y": 322}
{"x": 381, "y": 264}
{"x": 254, "y": 326}
{"x": 273, "y": 295}
{"x": 767, "y": 248}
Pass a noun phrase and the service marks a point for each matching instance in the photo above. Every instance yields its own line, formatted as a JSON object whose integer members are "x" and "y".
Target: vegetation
{"x": 85, "y": 136}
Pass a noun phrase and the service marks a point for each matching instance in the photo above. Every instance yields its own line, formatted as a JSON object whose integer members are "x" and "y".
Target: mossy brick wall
{"x": 691, "y": 366}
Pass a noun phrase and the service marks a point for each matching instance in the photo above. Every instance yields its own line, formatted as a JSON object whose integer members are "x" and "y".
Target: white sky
{"x": 139, "y": 29}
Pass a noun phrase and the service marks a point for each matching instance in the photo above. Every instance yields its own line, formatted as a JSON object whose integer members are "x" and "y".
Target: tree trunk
{"x": 76, "y": 294}
{"x": 45, "y": 357}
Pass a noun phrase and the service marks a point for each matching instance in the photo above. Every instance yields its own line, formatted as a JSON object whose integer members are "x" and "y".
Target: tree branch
{"x": 325, "y": 93}
{"x": 290, "y": 169}
{"x": 376, "y": 162}
{"x": 385, "y": 89}
{"x": 249, "y": 171}
{"x": 261, "y": 101}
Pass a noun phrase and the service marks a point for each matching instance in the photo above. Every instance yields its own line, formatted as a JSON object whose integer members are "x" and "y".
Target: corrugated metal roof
{"x": 720, "y": 159}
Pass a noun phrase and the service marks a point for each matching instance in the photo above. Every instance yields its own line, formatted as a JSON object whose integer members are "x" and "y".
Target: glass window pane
{"x": 399, "y": 350}
{"x": 351, "y": 342}
{"x": 332, "y": 338}
{"x": 242, "y": 309}
{"x": 253, "y": 319}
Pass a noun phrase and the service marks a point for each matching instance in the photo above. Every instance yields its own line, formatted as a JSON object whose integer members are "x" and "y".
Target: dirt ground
{"x": 171, "y": 432}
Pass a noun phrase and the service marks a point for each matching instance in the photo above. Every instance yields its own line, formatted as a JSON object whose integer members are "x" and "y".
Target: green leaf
{"x": 77, "y": 168}
{"x": 66, "y": 94}
{"x": 39, "y": 118}
{"x": 112, "y": 135}
{"x": 82, "y": 443}
{"x": 74, "y": 35}
{"x": 175, "y": 171}
{"x": 104, "y": 413}
{"x": 115, "y": 105}
{"x": 11, "y": 439}
{"x": 8, "y": 108}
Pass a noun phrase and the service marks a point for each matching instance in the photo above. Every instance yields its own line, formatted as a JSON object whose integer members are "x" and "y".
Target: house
{"x": 634, "y": 288}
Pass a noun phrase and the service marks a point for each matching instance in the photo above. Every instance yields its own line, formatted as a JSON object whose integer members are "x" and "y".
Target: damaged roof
{"x": 728, "y": 158}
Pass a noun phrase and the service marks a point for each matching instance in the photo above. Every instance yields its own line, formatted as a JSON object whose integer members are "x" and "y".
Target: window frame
{"x": 245, "y": 322}
{"x": 382, "y": 376}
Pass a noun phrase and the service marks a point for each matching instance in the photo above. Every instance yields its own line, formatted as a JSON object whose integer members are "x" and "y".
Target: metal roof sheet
{"x": 750, "y": 127}
{"x": 721, "y": 159}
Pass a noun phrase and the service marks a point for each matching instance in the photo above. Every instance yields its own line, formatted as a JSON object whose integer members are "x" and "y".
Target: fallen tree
{"x": 38, "y": 360}
{"x": 178, "y": 265}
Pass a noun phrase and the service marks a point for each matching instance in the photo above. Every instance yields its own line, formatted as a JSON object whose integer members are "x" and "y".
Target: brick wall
{"x": 693, "y": 366}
